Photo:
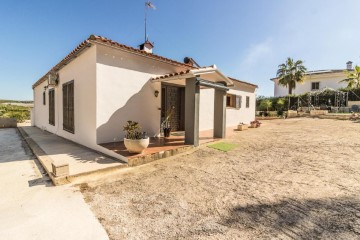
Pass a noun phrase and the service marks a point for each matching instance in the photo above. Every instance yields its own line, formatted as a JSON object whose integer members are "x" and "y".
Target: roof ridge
{"x": 107, "y": 40}
{"x": 101, "y": 39}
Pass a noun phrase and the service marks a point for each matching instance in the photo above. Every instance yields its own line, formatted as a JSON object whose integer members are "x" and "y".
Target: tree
{"x": 290, "y": 73}
{"x": 265, "y": 104}
{"x": 352, "y": 78}
{"x": 280, "y": 104}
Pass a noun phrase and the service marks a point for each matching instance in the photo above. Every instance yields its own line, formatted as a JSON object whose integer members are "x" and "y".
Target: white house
{"x": 315, "y": 80}
{"x": 101, "y": 84}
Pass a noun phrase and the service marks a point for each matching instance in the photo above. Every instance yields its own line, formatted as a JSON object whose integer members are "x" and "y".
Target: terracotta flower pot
{"x": 137, "y": 145}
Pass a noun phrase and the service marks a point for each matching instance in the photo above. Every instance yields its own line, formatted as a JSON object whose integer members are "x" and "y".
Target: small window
{"x": 247, "y": 101}
{"x": 315, "y": 85}
{"x": 233, "y": 101}
{"x": 44, "y": 98}
{"x": 68, "y": 107}
{"x": 52, "y": 107}
{"x": 229, "y": 102}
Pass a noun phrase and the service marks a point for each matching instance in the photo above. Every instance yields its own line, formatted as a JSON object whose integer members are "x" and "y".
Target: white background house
{"x": 111, "y": 83}
{"x": 315, "y": 80}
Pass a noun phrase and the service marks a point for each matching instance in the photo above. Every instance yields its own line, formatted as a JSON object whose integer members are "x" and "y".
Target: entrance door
{"x": 173, "y": 100}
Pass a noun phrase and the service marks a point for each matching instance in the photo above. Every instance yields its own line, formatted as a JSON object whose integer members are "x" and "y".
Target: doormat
{"x": 223, "y": 146}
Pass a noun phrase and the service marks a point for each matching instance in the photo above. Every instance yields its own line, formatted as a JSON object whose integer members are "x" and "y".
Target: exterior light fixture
{"x": 156, "y": 93}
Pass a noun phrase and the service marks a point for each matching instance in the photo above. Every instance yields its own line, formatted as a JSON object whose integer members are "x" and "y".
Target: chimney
{"x": 349, "y": 65}
{"x": 189, "y": 60}
{"x": 147, "y": 46}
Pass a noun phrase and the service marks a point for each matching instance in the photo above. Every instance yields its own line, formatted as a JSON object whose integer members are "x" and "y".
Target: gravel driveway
{"x": 289, "y": 179}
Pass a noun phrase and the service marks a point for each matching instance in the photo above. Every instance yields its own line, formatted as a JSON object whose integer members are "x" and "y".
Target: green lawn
{"x": 223, "y": 146}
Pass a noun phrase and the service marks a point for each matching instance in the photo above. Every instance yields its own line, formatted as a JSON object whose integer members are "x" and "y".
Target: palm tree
{"x": 290, "y": 73}
{"x": 353, "y": 77}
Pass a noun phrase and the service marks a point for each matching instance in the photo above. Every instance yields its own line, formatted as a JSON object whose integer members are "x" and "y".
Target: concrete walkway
{"x": 81, "y": 160}
{"x": 30, "y": 207}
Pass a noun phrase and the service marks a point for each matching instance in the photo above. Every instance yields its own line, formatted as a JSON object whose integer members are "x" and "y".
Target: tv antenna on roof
{"x": 148, "y": 5}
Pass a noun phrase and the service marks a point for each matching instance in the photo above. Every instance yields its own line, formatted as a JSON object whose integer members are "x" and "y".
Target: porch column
{"x": 192, "y": 102}
{"x": 219, "y": 113}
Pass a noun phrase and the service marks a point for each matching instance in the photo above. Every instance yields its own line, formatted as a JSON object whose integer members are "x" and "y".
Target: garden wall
{"x": 8, "y": 123}
{"x": 350, "y": 103}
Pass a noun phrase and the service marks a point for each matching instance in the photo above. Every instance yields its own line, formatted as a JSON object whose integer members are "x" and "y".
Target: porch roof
{"x": 211, "y": 74}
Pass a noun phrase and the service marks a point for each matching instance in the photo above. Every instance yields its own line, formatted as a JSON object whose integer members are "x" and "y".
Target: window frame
{"x": 312, "y": 86}
{"x": 68, "y": 107}
{"x": 233, "y": 101}
{"x": 247, "y": 101}
{"x": 44, "y": 98}
{"x": 51, "y": 94}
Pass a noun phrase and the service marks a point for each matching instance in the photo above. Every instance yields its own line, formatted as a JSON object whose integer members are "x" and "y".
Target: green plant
{"x": 132, "y": 130}
{"x": 352, "y": 78}
{"x": 13, "y": 111}
{"x": 290, "y": 73}
{"x": 167, "y": 121}
{"x": 280, "y": 104}
{"x": 265, "y": 104}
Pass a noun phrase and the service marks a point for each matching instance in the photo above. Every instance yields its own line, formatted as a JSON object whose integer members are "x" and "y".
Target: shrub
{"x": 12, "y": 111}
{"x": 265, "y": 104}
{"x": 280, "y": 113}
{"x": 132, "y": 130}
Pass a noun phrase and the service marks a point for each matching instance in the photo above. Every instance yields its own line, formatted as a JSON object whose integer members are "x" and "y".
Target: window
{"x": 52, "y": 107}
{"x": 68, "y": 107}
{"x": 44, "y": 98}
{"x": 315, "y": 85}
{"x": 233, "y": 101}
{"x": 247, "y": 101}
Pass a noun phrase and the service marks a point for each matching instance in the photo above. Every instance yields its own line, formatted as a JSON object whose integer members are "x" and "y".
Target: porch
{"x": 180, "y": 99}
{"x": 163, "y": 147}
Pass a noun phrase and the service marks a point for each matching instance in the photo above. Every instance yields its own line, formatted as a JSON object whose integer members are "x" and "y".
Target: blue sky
{"x": 246, "y": 39}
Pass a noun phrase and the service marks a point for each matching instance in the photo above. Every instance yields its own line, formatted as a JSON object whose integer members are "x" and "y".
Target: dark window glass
{"x": 52, "y": 107}
{"x": 247, "y": 102}
{"x": 44, "y": 98}
{"x": 315, "y": 85}
{"x": 68, "y": 107}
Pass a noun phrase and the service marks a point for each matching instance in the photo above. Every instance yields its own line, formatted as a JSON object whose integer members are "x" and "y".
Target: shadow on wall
{"x": 336, "y": 218}
{"x": 142, "y": 107}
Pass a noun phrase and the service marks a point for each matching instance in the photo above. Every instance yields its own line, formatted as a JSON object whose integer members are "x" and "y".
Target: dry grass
{"x": 289, "y": 179}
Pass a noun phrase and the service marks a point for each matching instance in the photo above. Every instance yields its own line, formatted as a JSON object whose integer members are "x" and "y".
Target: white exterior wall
{"x": 233, "y": 116}
{"x": 82, "y": 71}
{"x": 124, "y": 92}
{"x": 206, "y": 111}
{"x": 325, "y": 80}
{"x": 244, "y": 114}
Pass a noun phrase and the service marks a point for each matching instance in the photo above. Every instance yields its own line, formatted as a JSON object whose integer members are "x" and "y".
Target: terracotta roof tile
{"x": 247, "y": 83}
{"x": 188, "y": 70}
{"x": 98, "y": 39}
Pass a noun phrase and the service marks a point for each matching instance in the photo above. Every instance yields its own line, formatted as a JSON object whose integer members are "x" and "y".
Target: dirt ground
{"x": 288, "y": 179}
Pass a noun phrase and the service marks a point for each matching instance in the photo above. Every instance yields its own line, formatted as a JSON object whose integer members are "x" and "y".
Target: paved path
{"x": 30, "y": 207}
{"x": 80, "y": 159}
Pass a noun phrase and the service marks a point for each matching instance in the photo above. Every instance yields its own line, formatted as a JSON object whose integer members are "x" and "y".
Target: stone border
{"x": 8, "y": 123}
{"x": 46, "y": 161}
{"x": 140, "y": 160}
{"x": 43, "y": 158}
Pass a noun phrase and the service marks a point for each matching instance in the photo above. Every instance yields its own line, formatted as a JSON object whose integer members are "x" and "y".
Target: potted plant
{"x": 166, "y": 124}
{"x": 135, "y": 141}
{"x": 255, "y": 124}
{"x": 242, "y": 126}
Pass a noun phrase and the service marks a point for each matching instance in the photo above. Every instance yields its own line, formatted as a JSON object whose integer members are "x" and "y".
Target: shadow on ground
{"x": 307, "y": 219}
